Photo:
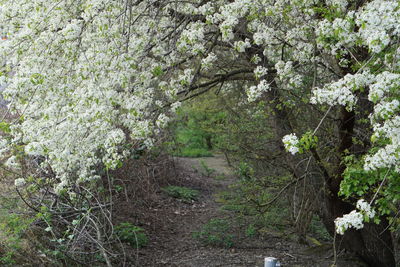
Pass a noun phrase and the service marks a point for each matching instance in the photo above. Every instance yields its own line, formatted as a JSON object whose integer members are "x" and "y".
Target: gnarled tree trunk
{"x": 373, "y": 244}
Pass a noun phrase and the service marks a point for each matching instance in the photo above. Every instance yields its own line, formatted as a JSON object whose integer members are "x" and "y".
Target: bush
{"x": 215, "y": 233}
{"x": 183, "y": 193}
{"x": 12, "y": 229}
{"x": 194, "y": 131}
{"x": 247, "y": 199}
{"x": 131, "y": 234}
{"x": 318, "y": 230}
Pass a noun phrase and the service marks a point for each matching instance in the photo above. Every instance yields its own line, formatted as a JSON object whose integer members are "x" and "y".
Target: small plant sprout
{"x": 182, "y": 193}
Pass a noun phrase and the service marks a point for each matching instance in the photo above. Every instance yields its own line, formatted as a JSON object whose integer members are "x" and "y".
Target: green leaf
{"x": 157, "y": 71}
{"x": 5, "y": 127}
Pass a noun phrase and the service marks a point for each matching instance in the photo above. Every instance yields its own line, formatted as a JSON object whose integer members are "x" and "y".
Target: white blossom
{"x": 162, "y": 120}
{"x": 260, "y": 71}
{"x": 340, "y": 4}
{"x": 12, "y": 163}
{"x": 175, "y": 106}
{"x": 355, "y": 219}
{"x": 208, "y": 61}
{"x": 19, "y": 182}
{"x": 241, "y": 46}
{"x": 342, "y": 91}
{"x": 352, "y": 220}
{"x": 254, "y": 92}
{"x": 377, "y": 20}
{"x": 291, "y": 143}
{"x": 365, "y": 208}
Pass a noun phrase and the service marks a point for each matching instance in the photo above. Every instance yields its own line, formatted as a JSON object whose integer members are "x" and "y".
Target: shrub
{"x": 215, "y": 233}
{"x": 318, "y": 230}
{"x": 12, "y": 229}
{"x": 183, "y": 193}
{"x": 131, "y": 234}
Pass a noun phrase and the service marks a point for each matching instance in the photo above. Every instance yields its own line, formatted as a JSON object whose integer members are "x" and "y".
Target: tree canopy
{"x": 90, "y": 81}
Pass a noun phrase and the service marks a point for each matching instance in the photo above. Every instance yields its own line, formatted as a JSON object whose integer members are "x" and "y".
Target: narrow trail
{"x": 172, "y": 223}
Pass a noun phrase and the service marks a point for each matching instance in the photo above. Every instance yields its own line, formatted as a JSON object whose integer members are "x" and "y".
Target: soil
{"x": 170, "y": 224}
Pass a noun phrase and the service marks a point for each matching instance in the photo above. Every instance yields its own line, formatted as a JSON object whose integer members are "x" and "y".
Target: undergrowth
{"x": 193, "y": 153}
{"x": 182, "y": 193}
{"x": 216, "y": 233}
{"x": 131, "y": 234}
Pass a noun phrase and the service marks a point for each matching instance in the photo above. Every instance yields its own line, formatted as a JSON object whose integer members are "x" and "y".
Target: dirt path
{"x": 171, "y": 224}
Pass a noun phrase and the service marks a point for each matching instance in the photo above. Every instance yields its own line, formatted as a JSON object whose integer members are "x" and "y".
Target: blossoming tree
{"x": 87, "y": 77}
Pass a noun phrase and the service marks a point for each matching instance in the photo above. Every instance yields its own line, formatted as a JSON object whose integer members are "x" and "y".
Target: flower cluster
{"x": 208, "y": 61}
{"x": 385, "y": 121}
{"x": 254, "y": 92}
{"x": 352, "y": 220}
{"x": 291, "y": 143}
{"x": 19, "y": 182}
{"x": 387, "y": 156}
{"x": 241, "y": 46}
{"x": 260, "y": 71}
{"x": 340, "y": 4}
{"x": 365, "y": 208}
{"x": 355, "y": 219}
{"x": 341, "y": 30}
{"x": 162, "y": 120}
{"x": 191, "y": 39}
{"x": 342, "y": 91}
{"x": 378, "y": 21}
{"x": 287, "y": 74}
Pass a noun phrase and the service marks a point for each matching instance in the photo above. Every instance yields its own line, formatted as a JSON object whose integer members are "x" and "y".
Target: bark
{"x": 373, "y": 243}
{"x": 209, "y": 142}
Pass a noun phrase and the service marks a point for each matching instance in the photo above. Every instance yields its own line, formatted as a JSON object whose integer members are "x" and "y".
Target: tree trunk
{"x": 208, "y": 142}
{"x": 374, "y": 242}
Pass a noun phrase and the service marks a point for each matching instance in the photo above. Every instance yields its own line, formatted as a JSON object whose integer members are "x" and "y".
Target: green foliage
{"x": 359, "y": 183}
{"x": 189, "y": 132}
{"x": 248, "y": 198}
{"x": 15, "y": 224}
{"x": 318, "y": 230}
{"x": 216, "y": 233}
{"x": 193, "y": 153}
{"x": 12, "y": 228}
{"x": 194, "y": 130}
{"x": 118, "y": 188}
{"x": 251, "y": 230}
{"x": 244, "y": 171}
{"x": 307, "y": 142}
{"x": 5, "y": 127}
{"x": 131, "y": 234}
{"x": 8, "y": 259}
{"x": 182, "y": 193}
{"x": 157, "y": 71}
